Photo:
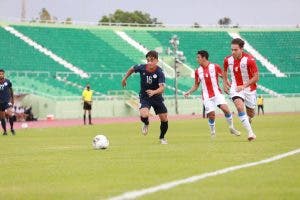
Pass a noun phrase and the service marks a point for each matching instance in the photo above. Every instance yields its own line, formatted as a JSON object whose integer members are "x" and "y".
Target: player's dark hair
{"x": 238, "y": 41}
{"x": 152, "y": 54}
{"x": 2, "y": 70}
{"x": 203, "y": 53}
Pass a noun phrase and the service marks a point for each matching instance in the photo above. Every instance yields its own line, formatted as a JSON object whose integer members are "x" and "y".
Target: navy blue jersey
{"x": 5, "y": 91}
{"x": 149, "y": 80}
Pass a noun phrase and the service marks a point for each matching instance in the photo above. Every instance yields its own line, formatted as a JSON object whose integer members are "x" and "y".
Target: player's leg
{"x": 227, "y": 113}
{"x": 211, "y": 122}
{"x": 3, "y": 122}
{"x": 220, "y": 101}
{"x": 90, "y": 114}
{"x": 250, "y": 113}
{"x": 229, "y": 119}
{"x": 240, "y": 106}
{"x": 210, "y": 114}
{"x": 258, "y": 108}
{"x": 261, "y": 108}
{"x": 10, "y": 114}
{"x": 250, "y": 102}
{"x": 164, "y": 125}
{"x": 2, "y": 117}
{"x": 162, "y": 111}
{"x": 84, "y": 116}
{"x": 144, "y": 114}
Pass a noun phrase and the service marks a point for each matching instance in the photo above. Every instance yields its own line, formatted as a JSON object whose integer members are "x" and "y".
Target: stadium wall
{"x": 68, "y": 109}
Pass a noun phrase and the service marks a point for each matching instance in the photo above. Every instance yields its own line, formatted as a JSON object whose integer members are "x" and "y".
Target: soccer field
{"x": 60, "y": 163}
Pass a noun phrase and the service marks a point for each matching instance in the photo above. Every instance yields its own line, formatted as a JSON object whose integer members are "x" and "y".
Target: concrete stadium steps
{"x": 280, "y": 47}
{"x": 145, "y": 38}
{"x": 80, "y": 47}
{"x": 99, "y": 50}
{"x": 41, "y": 86}
{"x": 282, "y": 85}
{"x": 17, "y": 55}
{"x": 216, "y": 43}
{"x": 111, "y": 38}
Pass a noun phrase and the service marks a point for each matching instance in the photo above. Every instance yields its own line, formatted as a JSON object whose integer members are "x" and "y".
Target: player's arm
{"x": 193, "y": 89}
{"x": 219, "y": 71}
{"x": 128, "y": 73}
{"x": 253, "y": 80}
{"x": 226, "y": 83}
{"x": 195, "y": 86}
{"x": 161, "y": 85}
{"x": 159, "y": 90}
{"x": 12, "y": 100}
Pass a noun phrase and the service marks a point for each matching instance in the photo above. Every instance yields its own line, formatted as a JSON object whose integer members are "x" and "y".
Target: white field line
{"x": 166, "y": 186}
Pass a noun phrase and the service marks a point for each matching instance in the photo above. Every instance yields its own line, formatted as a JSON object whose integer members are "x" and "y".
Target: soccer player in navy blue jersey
{"x": 152, "y": 87}
{"x": 6, "y": 102}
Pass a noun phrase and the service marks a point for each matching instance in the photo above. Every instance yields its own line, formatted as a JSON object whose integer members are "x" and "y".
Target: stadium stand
{"x": 17, "y": 55}
{"x": 105, "y": 56}
{"x": 40, "y": 86}
{"x": 282, "y": 49}
{"x": 80, "y": 47}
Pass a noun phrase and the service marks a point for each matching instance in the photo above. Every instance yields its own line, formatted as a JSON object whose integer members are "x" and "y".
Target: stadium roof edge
{"x": 160, "y": 28}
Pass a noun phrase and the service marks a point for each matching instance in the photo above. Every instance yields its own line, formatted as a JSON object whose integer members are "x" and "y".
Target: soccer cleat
{"x": 163, "y": 141}
{"x": 145, "y": 129}
{"x": 251, "y": 137}
{"x": 233, "y": 131}
{"x": 13, "y": 132}
{"x": 5, "y": 133}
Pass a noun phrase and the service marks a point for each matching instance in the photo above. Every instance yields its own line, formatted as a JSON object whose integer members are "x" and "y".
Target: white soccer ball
{"x": 100, "y": 142}
{"x": 24, "y": 125}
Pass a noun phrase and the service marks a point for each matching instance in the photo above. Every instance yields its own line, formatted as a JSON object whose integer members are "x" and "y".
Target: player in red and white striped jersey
{"x": 242, "y": 89}
{"x": 207, "y": 75}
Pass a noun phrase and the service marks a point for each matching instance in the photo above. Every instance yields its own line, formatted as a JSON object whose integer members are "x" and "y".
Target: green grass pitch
{"x": 60, "y": 163}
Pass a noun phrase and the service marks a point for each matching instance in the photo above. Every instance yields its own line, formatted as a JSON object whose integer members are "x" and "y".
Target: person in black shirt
{"x": 6, "y": 102}
{"x": 152, "y": 87}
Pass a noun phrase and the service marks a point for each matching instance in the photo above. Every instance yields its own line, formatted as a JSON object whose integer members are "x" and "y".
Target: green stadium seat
{"x": 106, "y": 57}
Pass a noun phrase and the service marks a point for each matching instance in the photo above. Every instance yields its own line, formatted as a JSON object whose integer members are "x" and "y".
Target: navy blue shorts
{"x": 158, "y": 105}
{"x": 4, "y": 106}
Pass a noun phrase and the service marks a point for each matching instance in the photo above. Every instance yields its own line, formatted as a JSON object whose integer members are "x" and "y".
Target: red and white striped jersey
{"x": 208, "y": 77}
{"x": 241, "y": 70}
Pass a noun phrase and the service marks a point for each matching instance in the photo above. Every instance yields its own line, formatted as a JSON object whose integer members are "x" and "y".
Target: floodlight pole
{"x": 176, "y": 86}
{"x": 23, "y": 11}
{"x": 175, "y": 42}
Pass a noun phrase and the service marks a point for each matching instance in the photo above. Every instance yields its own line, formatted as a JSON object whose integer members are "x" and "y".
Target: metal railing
{"x": 9, "y": 20}
{"x": 114, "y": 94}
{"x": 27, "y": 73}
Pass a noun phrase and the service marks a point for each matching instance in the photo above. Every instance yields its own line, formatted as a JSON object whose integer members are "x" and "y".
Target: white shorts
{"x": 249, "y": 97}
{"x": 211, "y": 103}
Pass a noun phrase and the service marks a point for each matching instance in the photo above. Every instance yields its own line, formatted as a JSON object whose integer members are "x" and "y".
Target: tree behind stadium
{"x": 121, "y": 16}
